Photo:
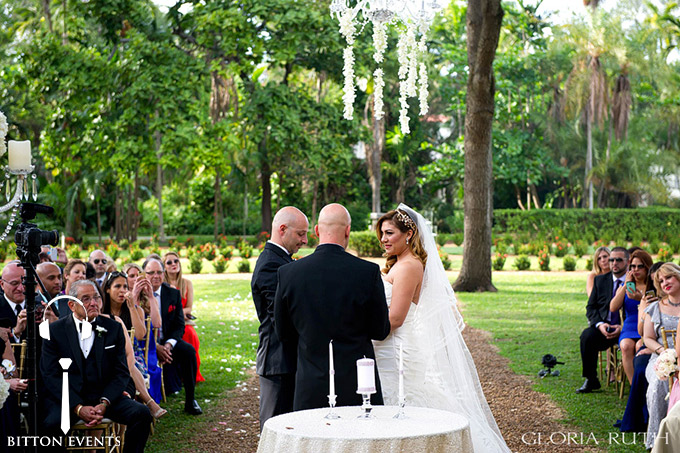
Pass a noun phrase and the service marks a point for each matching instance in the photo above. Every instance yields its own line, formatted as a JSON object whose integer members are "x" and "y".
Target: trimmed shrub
{"x": 569, "y": 263}
{"x": 136, "y": 253}
{"x": 220, "y": 265}
{"x": 589, "y": 264}
{"x": 580, "y": 248}
{"x": 124, "y": 243}
{"x": 442, "y": 239}
{"x": 195, "y": 263}
{"x": 446, "y": 262}
{"x": 665, "y": 255}
{"x": 366, "y": 243}
{"x": 561, "y": 247}
{"x": 457, "y": 238}
{"x": 227, "y": 251}
{"x": 522, "y": 263}
{"x": 243, "y": 266}
{"x": 544, "y": 259}
{"x": 73, "y": 251}
{"x": 113, "y": 250}
{"x": 498, "y": 261}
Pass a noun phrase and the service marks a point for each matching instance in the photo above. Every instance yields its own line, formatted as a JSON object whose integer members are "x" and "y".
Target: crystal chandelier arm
{"x": 15, "y": 200}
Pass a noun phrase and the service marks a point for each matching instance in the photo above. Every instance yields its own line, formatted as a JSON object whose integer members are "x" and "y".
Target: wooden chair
{"x": 664, "y": 339}
{"x": 156, "y": 336}
{"x": 19, "y": 350}
{"x": 614, "y": 367}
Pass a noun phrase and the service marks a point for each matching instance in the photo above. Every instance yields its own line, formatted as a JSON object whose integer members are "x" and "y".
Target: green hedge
{"x": 618, "y": 225}
{"x": 366, "y": 243}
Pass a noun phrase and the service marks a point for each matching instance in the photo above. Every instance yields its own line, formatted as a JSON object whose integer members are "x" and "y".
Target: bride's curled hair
{"x": 404, "y": 223}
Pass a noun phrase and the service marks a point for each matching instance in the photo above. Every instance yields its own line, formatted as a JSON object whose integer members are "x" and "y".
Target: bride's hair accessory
{"x": 406, "y": 220}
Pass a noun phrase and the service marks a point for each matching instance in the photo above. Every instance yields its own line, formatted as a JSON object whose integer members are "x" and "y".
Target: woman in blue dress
{"x": 142, "y": 293}
{"x": 629, "y": 296}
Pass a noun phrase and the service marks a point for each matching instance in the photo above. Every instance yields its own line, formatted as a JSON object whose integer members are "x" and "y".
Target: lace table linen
{"x": 427, "y": 430}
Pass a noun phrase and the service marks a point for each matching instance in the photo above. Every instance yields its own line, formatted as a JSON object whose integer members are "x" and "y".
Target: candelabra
{"x": 21, "y": 191}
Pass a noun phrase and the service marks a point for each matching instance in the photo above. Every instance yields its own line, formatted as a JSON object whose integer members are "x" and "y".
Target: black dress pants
{"x": 276, "y": 395}
{"x": 592, "y": 342}
{"x": 184, "y": 361}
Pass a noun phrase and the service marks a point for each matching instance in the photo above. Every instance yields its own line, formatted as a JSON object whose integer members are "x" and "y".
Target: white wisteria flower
{"x": 348, "y": 88}
{"x": 378, "y": 85}
{"x": 347, "y": 26}
{"x": 379, "y": 40}
{"x": 3, "y": 134}
{"x": 423, "y": 91}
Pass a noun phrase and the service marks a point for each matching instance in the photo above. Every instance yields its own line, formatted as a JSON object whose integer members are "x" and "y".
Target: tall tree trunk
{"x": 133, "y": 214}
{"x": 48, "y": 14}
{"x": 484, "y": 18}
{"x": 588, "y": 183}
{"x": 315, "y": 201}
{"x": 265, "y": 176}
{"x": 118, "y": 216}
{"x": 159, "y": 186}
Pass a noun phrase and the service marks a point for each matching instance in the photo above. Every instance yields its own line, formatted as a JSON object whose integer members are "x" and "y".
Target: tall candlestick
{"x": 331, "y": 370}
{"x": 401, "y": 370}
{"x": 19, "y": 155}
{"x": 365, "y": 376}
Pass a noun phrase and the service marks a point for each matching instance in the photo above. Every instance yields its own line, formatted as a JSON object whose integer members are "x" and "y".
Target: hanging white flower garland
{"x": 413, "y": 80}
{"x": 3, "y": 134}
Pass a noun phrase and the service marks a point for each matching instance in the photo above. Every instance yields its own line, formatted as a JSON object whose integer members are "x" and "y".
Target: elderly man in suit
{"x": 331, "y": 295}
{"x": 275, "y": 360}
{"x": 172, "y": 351}
{"x": 13, "y": 301}
{"x": 98, "y": 374}
{"x": 604, "y": 326}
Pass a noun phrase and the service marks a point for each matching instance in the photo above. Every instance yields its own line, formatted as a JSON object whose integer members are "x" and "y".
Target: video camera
{"x": 29, "y": 238}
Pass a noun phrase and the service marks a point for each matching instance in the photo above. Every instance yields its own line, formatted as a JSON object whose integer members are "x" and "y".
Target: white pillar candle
{"x": 331, "y": 370}
{"x": 19, "y": 155}
{"x": 401, "y": 370}
{"x": 365, "y": 376}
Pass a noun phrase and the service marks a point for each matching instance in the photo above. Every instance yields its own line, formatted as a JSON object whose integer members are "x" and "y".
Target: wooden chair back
{"x": 19, "y": 350}
{"x": 664, "y": 339}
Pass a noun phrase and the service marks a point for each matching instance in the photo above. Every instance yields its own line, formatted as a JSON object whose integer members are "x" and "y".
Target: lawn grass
{"x": 533, "y": 314}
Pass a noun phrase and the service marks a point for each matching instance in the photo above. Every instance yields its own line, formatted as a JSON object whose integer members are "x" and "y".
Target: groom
{"x": 331, "y": 295}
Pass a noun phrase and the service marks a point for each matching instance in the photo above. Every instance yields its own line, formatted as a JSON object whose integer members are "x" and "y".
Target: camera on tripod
{"x": 29, "y": 238}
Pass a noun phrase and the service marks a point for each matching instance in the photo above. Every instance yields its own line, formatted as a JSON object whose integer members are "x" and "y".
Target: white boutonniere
{"x": 100, "y": 331}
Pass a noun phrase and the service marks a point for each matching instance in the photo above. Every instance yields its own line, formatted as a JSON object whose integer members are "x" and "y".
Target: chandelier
{"x": 19, "y": 165}
{"x": 412, "y": 18}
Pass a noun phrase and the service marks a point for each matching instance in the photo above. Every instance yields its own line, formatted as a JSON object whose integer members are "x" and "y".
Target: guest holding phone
{"x": 638, "y": 281}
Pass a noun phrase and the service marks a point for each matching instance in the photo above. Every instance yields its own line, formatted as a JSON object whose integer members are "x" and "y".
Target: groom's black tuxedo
{"x": 330, "y": 295}
{"x": 103, "y": 374}
{"x": 275, "y": 360}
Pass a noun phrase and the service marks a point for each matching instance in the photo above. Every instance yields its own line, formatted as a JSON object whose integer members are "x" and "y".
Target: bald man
{"x": 331, "y": 295}
{"x": 276, "y": 361}
{"x": 50, "y": 275}
{"x": 12, "y": 303}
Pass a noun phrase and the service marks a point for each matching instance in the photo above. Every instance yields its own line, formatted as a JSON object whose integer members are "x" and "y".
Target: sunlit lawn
{"x": 533, "y": 314}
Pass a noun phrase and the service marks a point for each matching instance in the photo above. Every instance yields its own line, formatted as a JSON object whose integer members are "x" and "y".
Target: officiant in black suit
{"x": 276, "y": 360}
{"x": 98, "y": 374}
{"x": 331, "y": 295}
{"x": 604, "y": 326}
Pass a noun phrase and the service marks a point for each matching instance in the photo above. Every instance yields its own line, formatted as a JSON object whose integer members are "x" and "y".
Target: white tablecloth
{"x": 425, "y": 430}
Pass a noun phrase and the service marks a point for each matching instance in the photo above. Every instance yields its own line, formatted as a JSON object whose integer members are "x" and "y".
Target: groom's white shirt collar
{"x": 280, "y": 246}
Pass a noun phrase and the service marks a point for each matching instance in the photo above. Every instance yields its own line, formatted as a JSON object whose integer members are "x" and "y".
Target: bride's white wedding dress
{"x": 438, "y": 369}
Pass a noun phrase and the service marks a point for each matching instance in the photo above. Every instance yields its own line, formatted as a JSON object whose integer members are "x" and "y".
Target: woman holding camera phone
{"x": 638, "y": 281}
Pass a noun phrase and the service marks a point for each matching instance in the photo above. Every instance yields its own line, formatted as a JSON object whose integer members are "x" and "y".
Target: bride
{"x": 438, "y": 369}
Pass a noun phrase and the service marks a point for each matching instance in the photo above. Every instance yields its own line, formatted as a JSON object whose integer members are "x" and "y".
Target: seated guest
{"x": 50, "y": 276}
{"x": 73, "y": 272}
{"x": 115, "y": 295}
{"x": 100, "y": 262}
{"x": 604, "y": 326}
{"x": 173, "y": 277}
{"x": 663, "y": 313}
{"x": 9, "y": 411}
{"x": 638, "y": 275}
{"x": 636, "y": 414}
{"x": 600, "y": 267}
{"x": 98, "y": 374}
{"x": 147, "y": 362}
{"x": 172, "y": 350}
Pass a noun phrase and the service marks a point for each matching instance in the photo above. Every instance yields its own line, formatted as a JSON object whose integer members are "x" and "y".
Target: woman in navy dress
{"x": 629, "y": 340}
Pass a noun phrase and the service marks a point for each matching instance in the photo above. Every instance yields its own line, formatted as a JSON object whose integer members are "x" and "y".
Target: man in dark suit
{"x": 98, "y": 373}
{"x": 604, "y": 326}
{"x": 172, "y": 351}
{"x": 12, "y": 302}
{"x": 331, "y": 295}
{"x": 276, "y": 360}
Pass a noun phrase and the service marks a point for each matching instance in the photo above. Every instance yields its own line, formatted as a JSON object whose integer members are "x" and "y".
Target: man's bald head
{"x": 289, "y": 228}
{"x": 11, "y": 282}
{"x": 334, "y": 225}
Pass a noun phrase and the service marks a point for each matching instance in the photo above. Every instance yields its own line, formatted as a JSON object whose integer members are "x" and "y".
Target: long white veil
{"x": 451, "y": 379}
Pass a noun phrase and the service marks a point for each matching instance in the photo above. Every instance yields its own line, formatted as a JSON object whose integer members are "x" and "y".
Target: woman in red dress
{"x": 173, "y": 276}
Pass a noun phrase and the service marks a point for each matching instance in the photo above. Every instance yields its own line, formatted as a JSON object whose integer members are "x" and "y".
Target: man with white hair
{"x": 276, "y": 360}
{"x": 331, "y": 296}
{"x": 13, "y": 303}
